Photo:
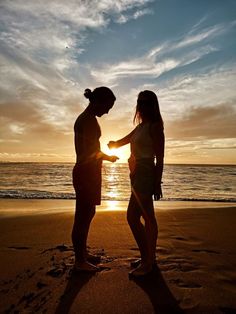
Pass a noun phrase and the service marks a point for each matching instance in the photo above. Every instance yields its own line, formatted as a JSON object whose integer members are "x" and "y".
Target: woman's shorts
{"x": 143, "y": 177}
{"x": 87, "y": 182}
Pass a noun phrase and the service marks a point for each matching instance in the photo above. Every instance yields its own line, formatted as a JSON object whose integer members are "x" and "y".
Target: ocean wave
{"x": 190, "y": 199}
{"x": 34, "y": 194}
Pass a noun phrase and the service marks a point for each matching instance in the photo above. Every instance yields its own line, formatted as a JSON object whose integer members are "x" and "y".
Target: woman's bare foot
{"x": 137, "y": 262}
{"x": 141, "y": 270}
{"x": 85, "y": 267}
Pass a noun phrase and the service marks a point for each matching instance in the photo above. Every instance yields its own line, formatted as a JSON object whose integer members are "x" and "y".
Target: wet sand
{"x": 196, "y": 260}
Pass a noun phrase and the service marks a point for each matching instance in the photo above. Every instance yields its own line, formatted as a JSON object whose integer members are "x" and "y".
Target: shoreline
{"x": 22, "y": 207}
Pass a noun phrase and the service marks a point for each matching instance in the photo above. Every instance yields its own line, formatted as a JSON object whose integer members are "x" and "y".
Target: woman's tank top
{"x": 141, "y": 142}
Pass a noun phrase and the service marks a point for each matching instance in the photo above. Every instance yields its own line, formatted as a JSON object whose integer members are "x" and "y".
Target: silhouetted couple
{"x": 146, "y": 167}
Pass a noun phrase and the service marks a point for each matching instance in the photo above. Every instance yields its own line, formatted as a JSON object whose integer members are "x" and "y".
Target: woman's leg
{"x": 136, "y": 226}
{"x": 150, "y": 234}
{"x": 151, "y": 228}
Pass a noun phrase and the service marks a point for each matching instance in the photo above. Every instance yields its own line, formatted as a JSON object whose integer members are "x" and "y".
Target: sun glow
{"x": 113, "y": 151}
{"x": 122, "y": 152}
{"x": 113, "y": 206}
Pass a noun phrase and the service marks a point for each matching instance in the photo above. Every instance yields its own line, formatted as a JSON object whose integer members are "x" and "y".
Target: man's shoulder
{"x": 83, "y": 120}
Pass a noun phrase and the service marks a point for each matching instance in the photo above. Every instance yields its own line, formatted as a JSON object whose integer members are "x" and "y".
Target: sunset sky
{"x": 184, "y": 50}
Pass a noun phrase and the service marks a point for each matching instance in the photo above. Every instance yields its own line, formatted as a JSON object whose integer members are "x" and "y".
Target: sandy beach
{"x": 196, "y": 257}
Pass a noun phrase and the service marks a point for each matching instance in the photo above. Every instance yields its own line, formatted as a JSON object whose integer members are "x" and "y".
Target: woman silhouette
{"x": 87, "y": 170}
{"x": 147, "y": 144}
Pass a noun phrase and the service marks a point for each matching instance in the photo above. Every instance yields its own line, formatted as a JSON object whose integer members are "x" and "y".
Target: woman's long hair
{"x": 148, "y": 108}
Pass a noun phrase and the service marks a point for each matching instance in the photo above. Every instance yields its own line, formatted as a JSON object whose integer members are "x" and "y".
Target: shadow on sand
{"x": 75, "y": 283}
{"x": 155, "y": 287}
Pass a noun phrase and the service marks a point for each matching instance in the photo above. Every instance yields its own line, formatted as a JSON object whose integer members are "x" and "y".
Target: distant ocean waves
{"x": 181, "y": 182}
{"x": 34, "y": 194}
{"x": 20, "y": 194}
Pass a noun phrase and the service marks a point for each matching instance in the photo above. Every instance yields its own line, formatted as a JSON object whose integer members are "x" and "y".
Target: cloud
{"x": 43, "y": 80}
{"x": 209, "y": 144}
{"x": 147, "y": 66}
{"x": 203, "y": 151}
{"x": 134, "y": 16}
{"x": 208, "y": 88}
{"x": 35, "y": 157}
{"x": 205, "y": 123}
{"x": 181, "y": 93}
{"x": 158, "y": 60}
{"x": 169, "y": 55}
{"x": 40, "y": 43}
{"x": 53, "y": 33}
{"x": 209, "y": 33}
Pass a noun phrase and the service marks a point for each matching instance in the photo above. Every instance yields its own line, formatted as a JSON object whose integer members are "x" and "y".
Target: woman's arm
{"x": 158, "y": 139}
{"x": 121, "y": 142}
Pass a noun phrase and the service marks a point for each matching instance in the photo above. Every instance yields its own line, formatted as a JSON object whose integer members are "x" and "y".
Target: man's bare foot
{"x": 85, "y": 267}
{"x": 94, "y": 259}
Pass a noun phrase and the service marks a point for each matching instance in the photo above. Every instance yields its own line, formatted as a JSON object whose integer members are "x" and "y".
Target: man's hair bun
{"x": 87, "y": 93}
{"x": 99, "y": 94}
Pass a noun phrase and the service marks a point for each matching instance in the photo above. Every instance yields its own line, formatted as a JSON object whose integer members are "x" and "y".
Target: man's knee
{"x": 92, "y": 211}
{"x": 84, "y": 211}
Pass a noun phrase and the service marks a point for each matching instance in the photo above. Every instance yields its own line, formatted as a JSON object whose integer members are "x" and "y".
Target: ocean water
{"x": 180, "y": 182}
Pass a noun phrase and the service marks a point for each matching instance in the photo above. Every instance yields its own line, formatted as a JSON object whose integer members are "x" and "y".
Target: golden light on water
{"x": 112, "y": 192}
{"x": 113, "y": 206}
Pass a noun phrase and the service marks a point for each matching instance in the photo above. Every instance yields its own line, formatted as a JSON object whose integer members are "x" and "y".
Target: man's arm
{"x": 107, "y": 157}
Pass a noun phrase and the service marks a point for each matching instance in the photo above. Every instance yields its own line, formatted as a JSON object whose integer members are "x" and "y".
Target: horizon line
{"x": 71, "y": 162}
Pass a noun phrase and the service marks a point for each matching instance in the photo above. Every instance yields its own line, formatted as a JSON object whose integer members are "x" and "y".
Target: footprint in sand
{"x": 205, "y": 251}
{"x": 162, "y": 250}
{"x": 190, "y": 240}
{"x": 177, "y": 263}
{"x": 178, "y": 267}
{"x": 41, "y": 285}
{"x": 19, "y": 247}
{"x": 183, "y": 284}
{"x": 179, "y": 238}
{"x": 34, "y": 300}
{"x": 60, "y": 247}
